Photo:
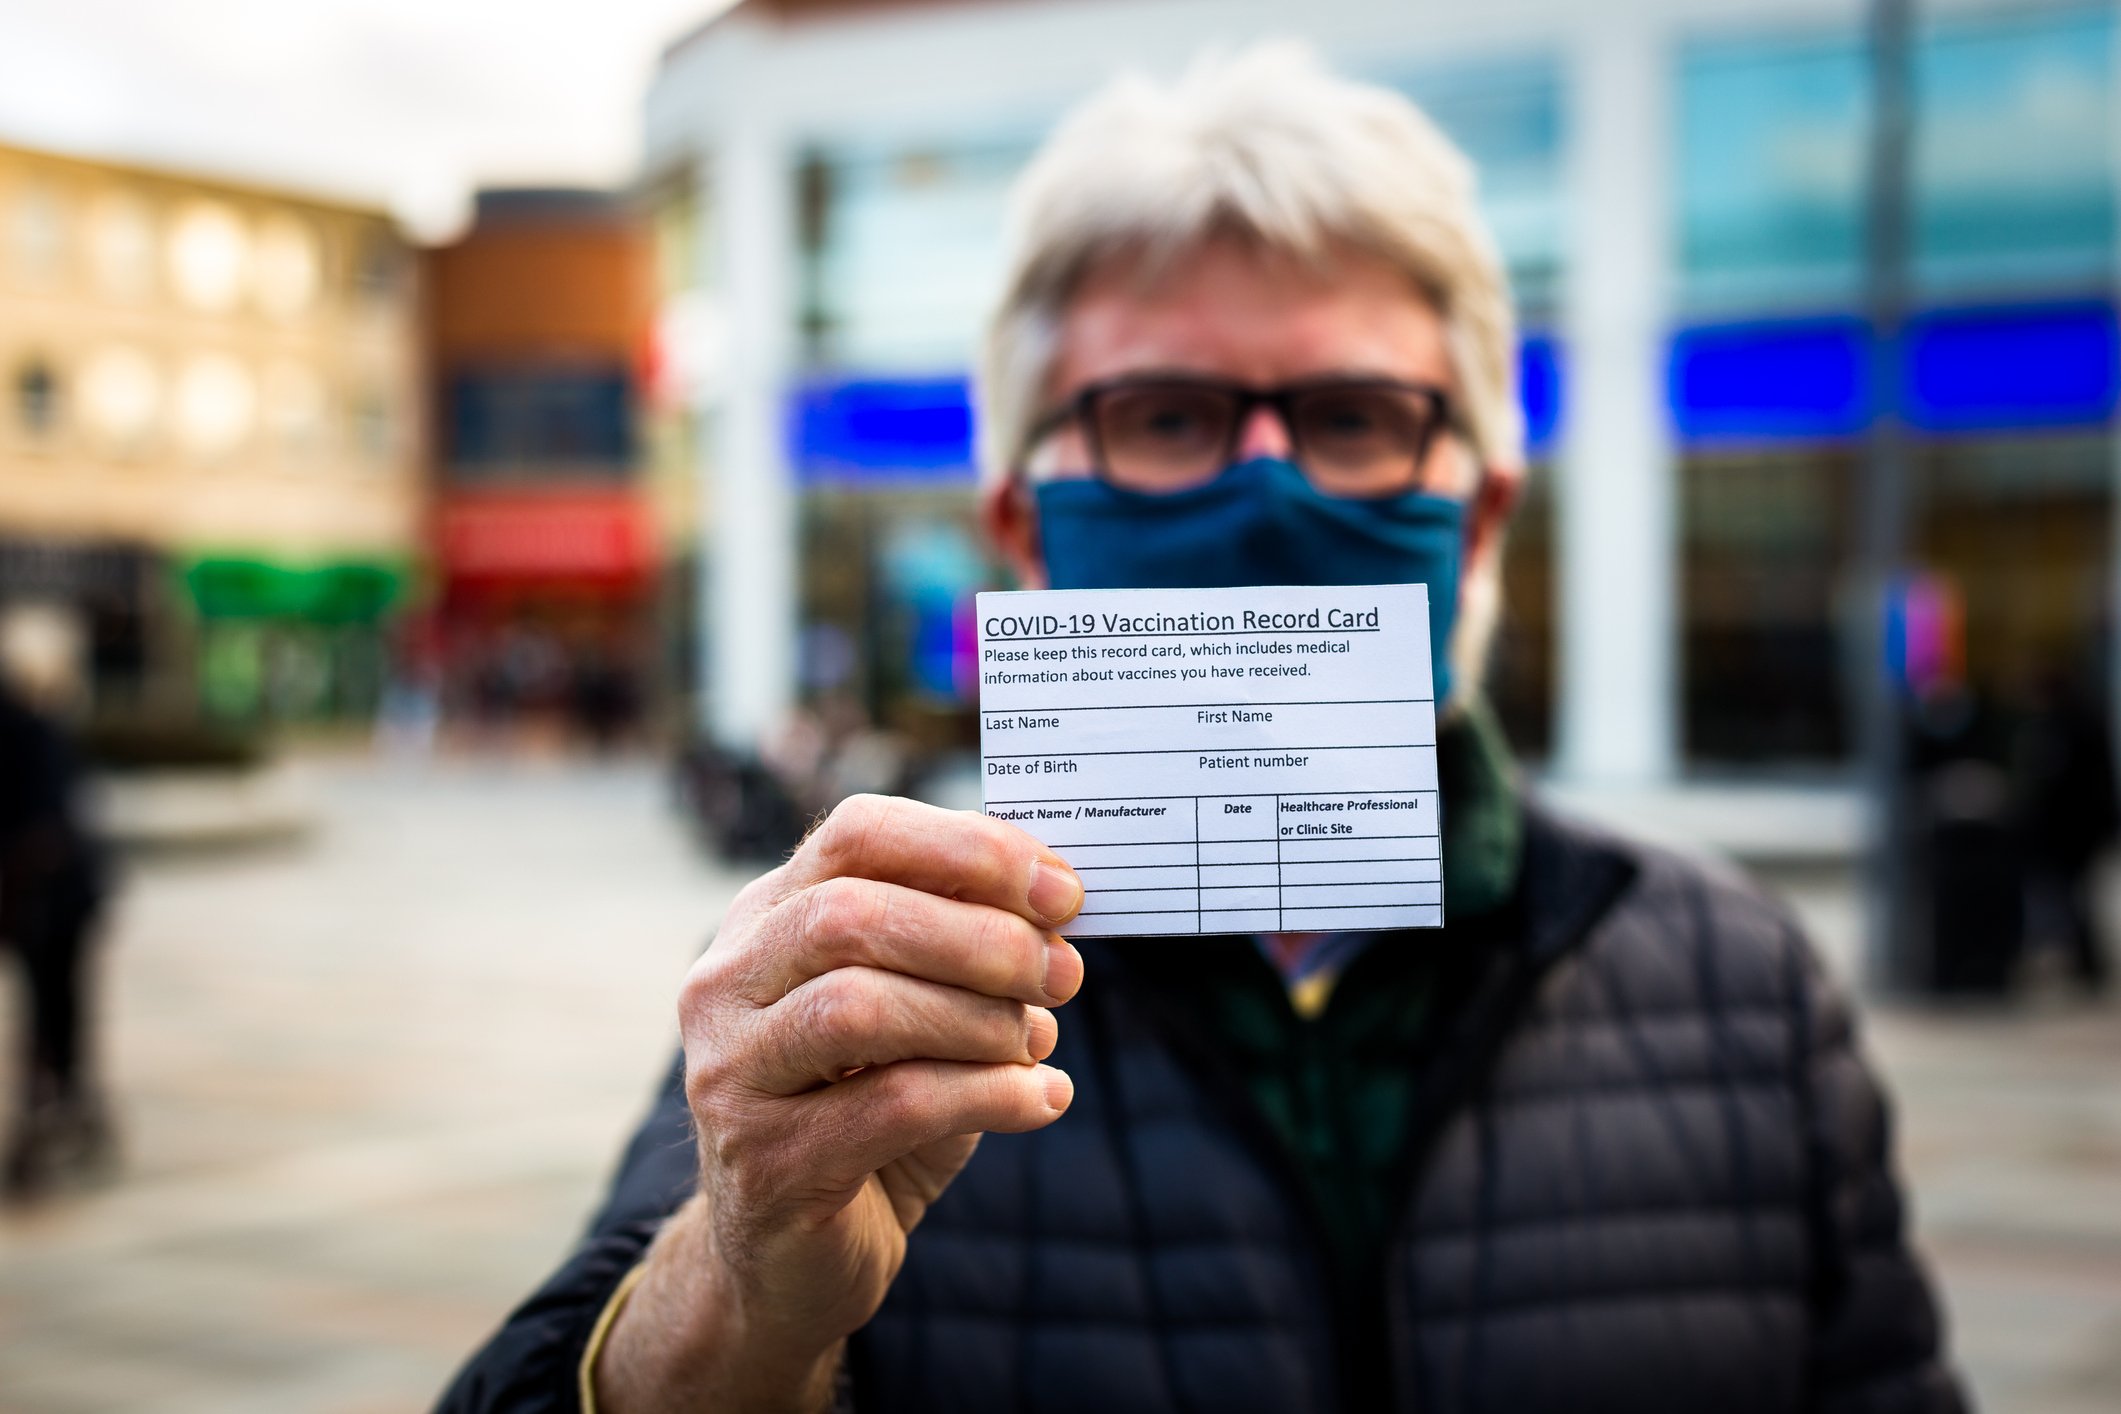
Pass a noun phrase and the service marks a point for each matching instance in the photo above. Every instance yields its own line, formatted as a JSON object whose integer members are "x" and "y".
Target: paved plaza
{"x": 372, "y": 1078}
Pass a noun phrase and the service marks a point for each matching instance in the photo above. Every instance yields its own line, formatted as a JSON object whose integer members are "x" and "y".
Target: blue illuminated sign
{"x": 1783, "y": 380}
{"x": 881, "y": 430}
{"x": 2004, "y": 369}
{"x": 1992, "y": 369}
{"x": 1763, "y": 381}
{"x": 1539, "y": 387}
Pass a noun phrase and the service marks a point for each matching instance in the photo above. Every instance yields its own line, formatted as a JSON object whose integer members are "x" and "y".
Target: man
{"x": 51, "y": 891}
{"x": 1603, "y": 1143}
{"x": 2063, "y": 764}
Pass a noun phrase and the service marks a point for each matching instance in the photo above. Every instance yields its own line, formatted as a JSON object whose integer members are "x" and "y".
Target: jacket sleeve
{"x": 530, "y": 1365}
{"x": 1878, "y": 1338}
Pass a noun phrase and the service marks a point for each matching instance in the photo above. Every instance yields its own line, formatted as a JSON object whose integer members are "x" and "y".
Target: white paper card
{"x": 1220, "y": 760}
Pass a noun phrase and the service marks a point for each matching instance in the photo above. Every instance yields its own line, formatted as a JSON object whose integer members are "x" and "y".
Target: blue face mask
{"x": 1260, "y": 522}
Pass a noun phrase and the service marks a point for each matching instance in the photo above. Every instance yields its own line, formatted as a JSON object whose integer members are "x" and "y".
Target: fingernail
{"x": 1055, "y": 892}
{"x": 1064, "y": 971}
{"x": 1044, "y": 1033}
{"x": 1060, "y": 1090}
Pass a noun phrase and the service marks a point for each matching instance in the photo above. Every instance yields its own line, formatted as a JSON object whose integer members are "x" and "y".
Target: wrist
{"x": 690, "y": 1337}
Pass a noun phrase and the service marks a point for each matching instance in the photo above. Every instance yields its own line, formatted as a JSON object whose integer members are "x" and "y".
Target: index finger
{"x": 959, "y": 854}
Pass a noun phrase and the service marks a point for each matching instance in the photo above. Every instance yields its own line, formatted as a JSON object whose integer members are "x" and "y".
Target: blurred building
{"x": 1678, "y": 187}
{"x": 207, "y": 445}
{"x": 552, "y": 546}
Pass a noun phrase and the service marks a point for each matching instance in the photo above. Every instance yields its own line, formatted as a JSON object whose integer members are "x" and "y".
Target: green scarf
{"x": 1336, "y": 1089}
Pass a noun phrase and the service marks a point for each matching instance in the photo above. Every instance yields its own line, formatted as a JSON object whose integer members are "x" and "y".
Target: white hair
{"x": 1265, "y": 144}
{"x": 1269, "y": 146}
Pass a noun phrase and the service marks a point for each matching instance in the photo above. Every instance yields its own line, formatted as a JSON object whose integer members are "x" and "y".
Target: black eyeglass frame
{"x": 1081, "y": 407}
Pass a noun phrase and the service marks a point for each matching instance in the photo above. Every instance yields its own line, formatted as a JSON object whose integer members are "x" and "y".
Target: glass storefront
{"x": 2012, "y": 364}
{"x": 2013, "y": 233}
{"x": 281, "y": 642}
{"x": 2022, "y": 529}
{"x": 2012, "y": 373}
{"x": 1765, "y": 557}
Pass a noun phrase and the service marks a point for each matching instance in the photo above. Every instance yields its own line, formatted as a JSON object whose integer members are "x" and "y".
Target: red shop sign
{"x": 598, "y": 536}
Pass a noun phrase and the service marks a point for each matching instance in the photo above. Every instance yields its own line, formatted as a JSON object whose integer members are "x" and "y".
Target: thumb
{"x": 919, "y": 1178}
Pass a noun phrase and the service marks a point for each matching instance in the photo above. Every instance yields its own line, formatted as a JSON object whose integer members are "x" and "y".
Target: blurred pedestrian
{"x": 603, "y": 699}
{"x": 52, "y": 882}
{"x": 2067, "y": 800}
{"x": 1606, "y": 1142}
{"x": 1966, "y": 857}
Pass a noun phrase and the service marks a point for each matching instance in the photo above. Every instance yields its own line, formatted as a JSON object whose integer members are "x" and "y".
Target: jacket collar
{"x": 1572, "y": 874}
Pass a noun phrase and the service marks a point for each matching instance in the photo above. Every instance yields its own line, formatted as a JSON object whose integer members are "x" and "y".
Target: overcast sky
{"x": 402, "y": 103}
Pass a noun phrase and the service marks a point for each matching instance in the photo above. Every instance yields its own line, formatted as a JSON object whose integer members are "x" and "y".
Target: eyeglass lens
{"x": 1355, "y": 439}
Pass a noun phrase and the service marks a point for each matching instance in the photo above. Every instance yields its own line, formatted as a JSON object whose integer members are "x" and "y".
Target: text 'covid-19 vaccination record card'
{"x": 1220, "y": 760}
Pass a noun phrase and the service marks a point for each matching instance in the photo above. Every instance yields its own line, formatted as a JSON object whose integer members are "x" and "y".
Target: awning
{"x": 232, "y": 587}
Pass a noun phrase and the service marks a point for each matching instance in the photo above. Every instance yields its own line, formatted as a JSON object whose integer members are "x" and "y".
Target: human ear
{"x": 1496, "y": 493}
{"x": 1009, "y": 517}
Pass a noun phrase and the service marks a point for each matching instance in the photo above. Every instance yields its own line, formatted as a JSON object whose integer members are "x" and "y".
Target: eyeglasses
{"x": 1350, "y": 437}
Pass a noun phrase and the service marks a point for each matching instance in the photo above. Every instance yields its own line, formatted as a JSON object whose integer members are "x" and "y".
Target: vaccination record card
{"x": 1220, "y": 760}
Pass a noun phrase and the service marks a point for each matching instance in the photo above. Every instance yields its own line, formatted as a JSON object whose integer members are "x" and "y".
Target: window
{"x": 37, "y": 399}
{"x": 1766, "y": 552}
{"x": 2012, "y": 163}
{"x": 2014, "y": 151}
{"x": 2023, "y": 529}
{"x": 288, "y": 266}
{"x": 209, "y": 256}
{"x": 295, "y": 409}
{"x": 121, "y": 395}
{"x": 380, "y": 265}
{"x": 121, "y": 246}
{"x": 1771, "y": 167}
{"x": 375, "y": 429}
{"x": 37, "y": 233}
{"x": 1506, "y": 117}
{"x": 505, "y": 424}
{"x": 217, "y": 404}
{"x": 903, "y": 251}
{"x": 1520, "y": 681}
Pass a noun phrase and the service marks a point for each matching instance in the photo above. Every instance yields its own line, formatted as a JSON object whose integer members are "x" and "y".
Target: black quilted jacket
{"x": 1651, "y": 1173}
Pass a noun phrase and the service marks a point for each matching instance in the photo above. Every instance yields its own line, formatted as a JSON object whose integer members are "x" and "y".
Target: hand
{"x": 866, "y": 1012}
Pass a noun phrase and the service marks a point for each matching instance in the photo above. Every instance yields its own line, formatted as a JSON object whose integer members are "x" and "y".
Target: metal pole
{"x": 1897, "y": 953}
{"x": 2110, "y": 637}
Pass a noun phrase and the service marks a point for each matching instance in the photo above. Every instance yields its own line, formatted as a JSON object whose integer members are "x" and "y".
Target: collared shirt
{"x": 1483, "y": 831}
